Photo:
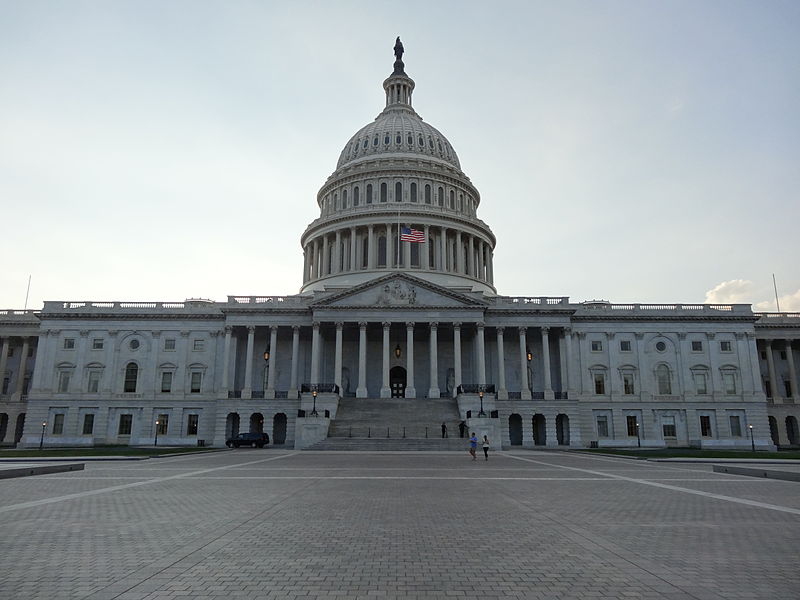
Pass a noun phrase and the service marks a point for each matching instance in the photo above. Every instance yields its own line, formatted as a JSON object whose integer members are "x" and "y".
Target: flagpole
{"x": 775, "y": 285}
{"x": 28, "y": 291}
{"x": 398, "y": 240}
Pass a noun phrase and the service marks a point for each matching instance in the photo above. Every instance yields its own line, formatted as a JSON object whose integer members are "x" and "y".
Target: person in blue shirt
{"x": 473, "y": 445}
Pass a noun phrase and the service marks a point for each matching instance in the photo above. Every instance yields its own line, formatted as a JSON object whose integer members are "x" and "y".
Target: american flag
{"x": 411, "y": 235}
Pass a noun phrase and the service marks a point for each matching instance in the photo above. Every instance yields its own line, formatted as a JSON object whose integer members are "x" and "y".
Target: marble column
{"x": 792, "y": 370}
{"x": 315, "y": 260}
{"x": 502, "y": 392}
{"x": 386, "y": 391}
{"x": 326, "y": 260}
{"x": 337, "y": 361}
{"x": 548, "y": 381}
{"x": 481, "y": 355}
{"x": 570, "y": 369}
{"x": 247, "y": 391}
{"x": 471, "y": 256}
{"x": 425, "y": 254}
{"x": 353, "y": 266}
{"x": 411, "y": 390}
{"x": 458, "y": 260}
{"x": 489, "y": 265}
{"x": 773, "y": 380}
{"x": 315, "y": 352}
{"x": 371, "y": 250}
{"x": 524, "y": 391}
{"x": 4, "y": 361}
{"x": 337, "y": 253}
{"x": 456, "y": 357}
{"x": 273, "y": 360}
{"x": 361, "y": 391}
{"x": 226, "y": 362}
{"x": 443, "y": 251}
{"x": 434, "y": 392}
{"x": 295, "y": 359}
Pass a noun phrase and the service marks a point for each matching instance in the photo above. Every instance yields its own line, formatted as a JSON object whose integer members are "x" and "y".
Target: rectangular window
{"x": 63, "y": 381}
{"x": 597, "y": 346}
{"x": 88, "y": 424}
{"x": 768, "y": 388}
{"x": 163, "y": 424}
{"x": 729, "y": 383}
{"x": 627, "y": 384}
{"x": 30, "y": 353}
{"x": 93, "y": 385}
{"x": 633, "y": 425}
{"x": 736, "y": 426}
{"x": 58, "y": 424}
{"x": 697, "y": 346}
{"x": 625, "y": 346}
{"x": 705, "y": 425}
{"x": 602, "y": 426}
{"x": 69, "y": 343}
{"x": 599, "y": 383}
{"x": 668, "y": 427}
{"x": 169, "y": 344}
{"x": 783, "y": 355}
{"x": 700, "y": 383}
{"x": 97, "y": 344}
{"x": 196, "y": 381}
{"x": 6, "y": 382}
{"x": 10, "y": 352}
{"x": 725, "y": 346}
{"x": 191, "y": 425}
{"x": 198, "y": 345}
{"x": 787, "y": 388}
{"x": 763, "y": 356}
{"x": 125, "y": 424}
{"x": 166, "y": 382}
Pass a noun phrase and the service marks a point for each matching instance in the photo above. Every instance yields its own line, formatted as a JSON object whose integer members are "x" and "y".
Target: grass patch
{"x": 97, "y": 451}
{"x": 692, "y": 453}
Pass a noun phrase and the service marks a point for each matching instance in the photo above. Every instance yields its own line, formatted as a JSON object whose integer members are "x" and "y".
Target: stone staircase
{"x": 393, "y": 424}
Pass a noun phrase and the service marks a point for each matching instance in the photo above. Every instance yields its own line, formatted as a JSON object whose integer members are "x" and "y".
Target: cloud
{"x": 735, "y": 291}
{"x": 789, "y": 303}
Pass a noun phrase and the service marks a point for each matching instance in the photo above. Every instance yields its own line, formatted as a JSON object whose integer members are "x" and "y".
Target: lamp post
{"x": 156, "y": 441}
{"x": 41, "y": 440}
{"x": 480, "y": 395}
{"x": 314, "y": 412}
{"x": 638, "y": 439}
{"x": 752, "y": 441}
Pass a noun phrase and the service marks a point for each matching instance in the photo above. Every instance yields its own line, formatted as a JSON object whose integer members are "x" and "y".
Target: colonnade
{"x": 411, "y": 389}
{"x": 776, "y": 390}
{"x": 357, "y": 248}
{"x": 19, "y": 386}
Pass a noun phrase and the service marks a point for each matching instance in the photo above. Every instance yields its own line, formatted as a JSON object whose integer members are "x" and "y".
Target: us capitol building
{"x": 397, "y": 329}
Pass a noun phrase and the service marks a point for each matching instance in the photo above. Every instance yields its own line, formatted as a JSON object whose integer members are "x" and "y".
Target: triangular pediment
{"x": 398, "y": 291}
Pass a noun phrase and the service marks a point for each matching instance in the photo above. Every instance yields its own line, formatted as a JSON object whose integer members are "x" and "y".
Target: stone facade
{"x": 379, "y": 317}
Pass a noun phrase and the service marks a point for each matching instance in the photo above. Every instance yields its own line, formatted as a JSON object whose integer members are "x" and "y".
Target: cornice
{"x": 132, "y": 316}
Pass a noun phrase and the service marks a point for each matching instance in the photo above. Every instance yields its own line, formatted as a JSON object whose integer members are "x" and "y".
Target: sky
{"x": 631, "y": 151}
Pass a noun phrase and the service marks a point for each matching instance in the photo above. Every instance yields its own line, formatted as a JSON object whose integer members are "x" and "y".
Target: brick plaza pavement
{"x": 281, "y": 524}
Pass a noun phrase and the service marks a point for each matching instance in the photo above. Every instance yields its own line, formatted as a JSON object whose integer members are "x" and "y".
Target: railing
{"x": 538, "y": 300}
{"x": 257, "y": 394}
{"x": 234, "y": 393}
{"x": 59, "y": 305}
{"x": 276, "y": 300}
{"x": 11, "y": 311}
{"x": 474, "y": 388}
{"x": 778, "y": 315}
{"x": 690, "y": 308}
{"x": 321, "y": 388}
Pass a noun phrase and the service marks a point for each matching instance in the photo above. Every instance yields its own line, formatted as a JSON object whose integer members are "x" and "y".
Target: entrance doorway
{"x": 279, "y": 429}
{"x": 515, "y": 429}
{"x": 539, "y": 430}
{"x": 397, "y": 382}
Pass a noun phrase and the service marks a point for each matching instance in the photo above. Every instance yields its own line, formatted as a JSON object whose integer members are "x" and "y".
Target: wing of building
{"x": 398, "y": 339}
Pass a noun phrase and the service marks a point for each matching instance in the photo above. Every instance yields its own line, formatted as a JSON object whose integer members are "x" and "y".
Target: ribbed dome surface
{"x": 398, "y": 131}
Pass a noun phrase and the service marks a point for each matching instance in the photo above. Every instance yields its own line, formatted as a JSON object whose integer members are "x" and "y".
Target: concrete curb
{"x": 27, "y": 470}
{"x": 755, "y": 472}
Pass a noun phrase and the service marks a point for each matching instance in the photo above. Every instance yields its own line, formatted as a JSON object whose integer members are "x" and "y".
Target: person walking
{"x": 473, "y": 445}
{"x": 486, "y": 447}
{"x": 444, "y": 430}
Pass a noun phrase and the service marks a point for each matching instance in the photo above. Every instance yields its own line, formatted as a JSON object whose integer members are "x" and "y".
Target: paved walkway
{"x": 273, "y": 524}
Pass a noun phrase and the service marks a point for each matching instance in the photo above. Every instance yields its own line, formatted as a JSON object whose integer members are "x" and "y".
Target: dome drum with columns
{"x": 395, "y": 172}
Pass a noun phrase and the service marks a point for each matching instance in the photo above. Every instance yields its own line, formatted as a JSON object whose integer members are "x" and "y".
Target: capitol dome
{"x": 398, "y": 200}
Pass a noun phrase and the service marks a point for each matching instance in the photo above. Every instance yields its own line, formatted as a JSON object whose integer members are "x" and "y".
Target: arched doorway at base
{"x": 397, "y": 382}
{"x": 279, "y": 429}
{"x": 515, "y": 430}
{"x": 562, "y": 429}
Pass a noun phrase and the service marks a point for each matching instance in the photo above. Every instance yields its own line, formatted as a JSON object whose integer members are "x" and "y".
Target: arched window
{"x": 398, "y": 192}
{"x": 382, "y": 251}
{"x": 369, "y": 193}
{"x": 663, "y": 380}
{"x": 375, "y": 140}
{"x": 452, "y": 199}
{"x": 427, "y": 194}
{"x": 384, "y": 192}
{"x": 386, "y": 138}
{"x": 131, "y": 376}
{"x": 440, "y": 198}
{"x": 344, "y": 198}
{"x": 413, "y": 192}
{"x": 336, "y": 202}
{"x": 410, "y": 139}
{"x": 398, "y": 138}
{"x": 415, "y": 255}
{"x": 355, "y": 196}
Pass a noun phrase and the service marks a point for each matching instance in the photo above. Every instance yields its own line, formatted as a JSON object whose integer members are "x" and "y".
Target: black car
{"x": 256, "y": 440}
